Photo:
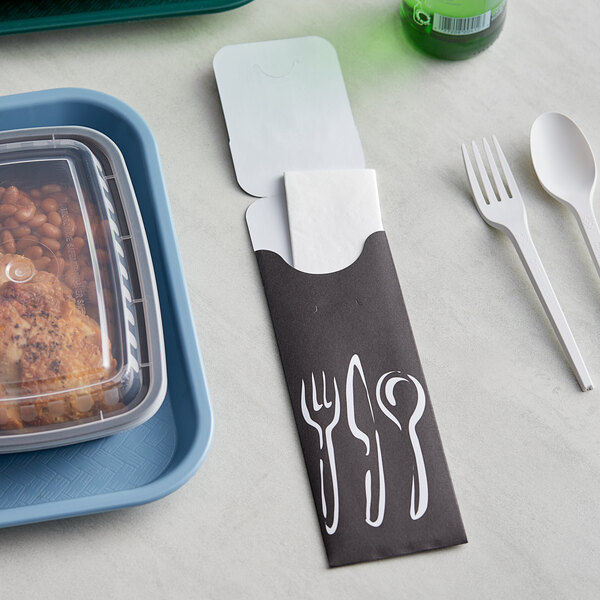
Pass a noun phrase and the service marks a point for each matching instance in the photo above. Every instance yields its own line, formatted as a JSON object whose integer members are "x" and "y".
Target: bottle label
{"x": 461, "y": 26}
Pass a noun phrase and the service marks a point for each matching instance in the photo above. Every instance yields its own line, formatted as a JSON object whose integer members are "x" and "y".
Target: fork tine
{"x": 487, "y": 184}
{"x": 475, "y": 187}
{"x": 495, "y": 173}
{"x": 510, "y": 180}
{"x": 315, "y": 397}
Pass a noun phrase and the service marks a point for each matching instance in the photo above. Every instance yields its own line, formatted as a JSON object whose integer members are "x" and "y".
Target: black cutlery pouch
{"x": 370, "y": 441}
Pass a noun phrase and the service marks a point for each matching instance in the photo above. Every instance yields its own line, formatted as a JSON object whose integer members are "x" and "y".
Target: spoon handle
{"x": 525, "y": 247}
{"x": 591, "y": 232}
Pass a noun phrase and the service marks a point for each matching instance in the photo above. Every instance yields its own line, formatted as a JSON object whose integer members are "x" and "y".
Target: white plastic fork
{"x": 504, "y": 210}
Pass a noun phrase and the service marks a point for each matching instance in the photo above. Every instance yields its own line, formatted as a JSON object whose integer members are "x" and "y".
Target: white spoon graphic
{"x": 387, "y": 403}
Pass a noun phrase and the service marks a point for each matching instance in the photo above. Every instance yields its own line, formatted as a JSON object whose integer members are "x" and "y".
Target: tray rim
{"x": 105, "y": 17}
{"x": 171, "y": 479}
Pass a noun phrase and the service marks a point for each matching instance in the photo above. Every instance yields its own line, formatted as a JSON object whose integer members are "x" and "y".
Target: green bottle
{"x": 453, "y": 29}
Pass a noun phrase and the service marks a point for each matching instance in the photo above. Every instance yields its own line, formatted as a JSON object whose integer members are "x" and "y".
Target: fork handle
{"x": 537, "y": 274}
{"x": 588, "y": 224}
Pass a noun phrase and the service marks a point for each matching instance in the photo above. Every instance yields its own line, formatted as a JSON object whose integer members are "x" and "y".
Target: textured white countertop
{"x": 522, "y": 442}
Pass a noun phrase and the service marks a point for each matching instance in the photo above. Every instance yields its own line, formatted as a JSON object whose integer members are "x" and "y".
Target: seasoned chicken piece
{"x": 47, "y": 346}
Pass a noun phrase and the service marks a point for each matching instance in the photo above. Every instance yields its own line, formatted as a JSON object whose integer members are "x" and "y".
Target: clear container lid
{"x": 72, "y": 343}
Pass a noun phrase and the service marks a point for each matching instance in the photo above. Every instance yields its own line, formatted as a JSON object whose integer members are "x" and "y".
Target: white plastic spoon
{"x": 565, "y": 166}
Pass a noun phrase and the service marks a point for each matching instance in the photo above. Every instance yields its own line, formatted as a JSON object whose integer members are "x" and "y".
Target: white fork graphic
{"x": 325, "y": 439}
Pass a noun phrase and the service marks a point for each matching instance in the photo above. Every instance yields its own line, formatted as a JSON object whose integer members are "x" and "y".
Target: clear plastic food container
{"x": 81, "y": 347}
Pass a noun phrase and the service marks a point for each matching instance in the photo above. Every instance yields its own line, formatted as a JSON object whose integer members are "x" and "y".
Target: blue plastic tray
{"x": 154, "y": 459}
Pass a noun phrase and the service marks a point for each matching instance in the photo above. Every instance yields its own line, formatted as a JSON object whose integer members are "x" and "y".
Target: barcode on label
{"x": 461, "y": 26}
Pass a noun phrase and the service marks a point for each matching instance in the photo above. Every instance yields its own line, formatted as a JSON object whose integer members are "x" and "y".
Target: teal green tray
{"x": 32, "y": 15}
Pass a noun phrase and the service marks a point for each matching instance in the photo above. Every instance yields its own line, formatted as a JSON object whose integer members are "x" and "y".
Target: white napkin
{"x": 331, "y": 214}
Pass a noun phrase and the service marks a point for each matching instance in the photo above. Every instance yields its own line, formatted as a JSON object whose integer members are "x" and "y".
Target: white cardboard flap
{"x": 286, "y": 109}
{"x": 268, "y": 225}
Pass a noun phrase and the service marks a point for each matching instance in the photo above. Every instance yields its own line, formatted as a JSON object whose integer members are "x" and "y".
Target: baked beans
{"x": 45, "y": 225}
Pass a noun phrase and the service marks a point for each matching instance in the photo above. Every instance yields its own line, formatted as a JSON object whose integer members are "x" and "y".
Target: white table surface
{"x": 523, "y": 443}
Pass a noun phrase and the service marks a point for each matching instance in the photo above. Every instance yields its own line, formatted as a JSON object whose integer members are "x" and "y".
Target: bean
{"x": 21, "y": 231}
{"x": 75, "y": 208}
{"x": 91, "y": 293}
{"x": 38, "y": 219}
{"x": 51, "y": 188}
{"x": 11, "y": 223}
{"x": 50, "y": 231}
{"x": 42, "y": 263}
{"x": 79, "y": 226}
{"x": 56, "y": 266}
{"x": 26, "y": 213}
{"x": 26, "y": 241}
{"x": 102, "y": 256}
{"x": 68, "y": 226}
{"x": 54, "y": 218}
{"x": 70, "y": 278}
{"x": 78, "y": 244}
{"x": 87, "y": 273}
{"x": 36, "y": 194}
{"x": 51, "y": 243}
{"x": 33, "y": 252}
{"x": 7, "y": 210}
{"x": 49, "y": 204}
{"x": 23, "y": 199}
{"x": 11, "y": 195}
{"x": 60, "y": 197}
{"x": 8, "y": 242}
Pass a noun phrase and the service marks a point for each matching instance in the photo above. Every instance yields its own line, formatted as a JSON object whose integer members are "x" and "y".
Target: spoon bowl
{"x": 562, "y": 158}
{"x": 564, "y": 163}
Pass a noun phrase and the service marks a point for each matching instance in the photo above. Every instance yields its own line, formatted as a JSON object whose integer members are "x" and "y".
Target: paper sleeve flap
{"x": 286, "y": 109}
